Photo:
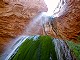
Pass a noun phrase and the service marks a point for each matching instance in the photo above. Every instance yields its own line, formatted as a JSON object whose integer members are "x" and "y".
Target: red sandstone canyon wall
{"x": 15, "y": 15}
{"x": 67, "y": 26}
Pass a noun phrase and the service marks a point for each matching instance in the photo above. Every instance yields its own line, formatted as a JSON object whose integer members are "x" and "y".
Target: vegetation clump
{"x": 40, "y": 49}
{"x": 75, "y": 48}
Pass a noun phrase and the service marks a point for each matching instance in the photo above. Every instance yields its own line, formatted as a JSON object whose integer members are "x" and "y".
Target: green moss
{"x": 40, "y": 49}
{"x": 78, "y": 38}
{"x": 75, "y": 48}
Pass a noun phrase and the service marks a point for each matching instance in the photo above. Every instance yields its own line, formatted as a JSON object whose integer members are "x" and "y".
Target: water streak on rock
{"x": 62, "y": 50}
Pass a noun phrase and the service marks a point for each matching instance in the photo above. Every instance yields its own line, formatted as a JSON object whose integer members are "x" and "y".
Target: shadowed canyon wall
{"x": 15, "y": 15}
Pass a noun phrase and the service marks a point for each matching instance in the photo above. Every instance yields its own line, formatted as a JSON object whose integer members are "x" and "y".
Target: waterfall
{"x": 36, "y": 24}
{"x": 62, "y": 50}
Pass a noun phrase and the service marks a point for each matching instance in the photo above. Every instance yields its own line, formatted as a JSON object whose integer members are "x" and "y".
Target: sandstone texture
{"x": 67, "y": 26}
{"x": 15, "y": 15}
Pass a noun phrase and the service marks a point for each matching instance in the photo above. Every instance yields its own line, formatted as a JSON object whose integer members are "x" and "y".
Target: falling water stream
{"x": 62, "y": 50}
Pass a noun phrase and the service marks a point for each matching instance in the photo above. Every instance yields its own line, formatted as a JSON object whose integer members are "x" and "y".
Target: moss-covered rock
{"x": 75, "y": 49}
{"x": 40, "y": 48}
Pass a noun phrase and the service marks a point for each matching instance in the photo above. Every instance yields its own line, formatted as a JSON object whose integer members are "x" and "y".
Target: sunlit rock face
{"x": 15, "y": 15}
{"x": 68, "y": 25}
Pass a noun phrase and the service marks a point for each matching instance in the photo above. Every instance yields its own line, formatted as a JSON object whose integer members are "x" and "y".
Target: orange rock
{"x": 15, "y": 15}
{"x": 68, "y": 25}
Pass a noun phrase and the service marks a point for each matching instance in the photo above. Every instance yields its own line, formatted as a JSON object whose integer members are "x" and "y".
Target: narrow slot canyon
{"x": 41, "y": 27}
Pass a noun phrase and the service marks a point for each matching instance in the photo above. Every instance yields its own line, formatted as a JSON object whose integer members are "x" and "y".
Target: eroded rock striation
{"x": 15, "y": 15}
{"x": 67, "y": 26}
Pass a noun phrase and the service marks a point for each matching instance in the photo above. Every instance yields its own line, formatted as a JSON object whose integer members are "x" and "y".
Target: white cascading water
{"x": 62, "y": 50}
